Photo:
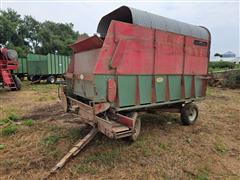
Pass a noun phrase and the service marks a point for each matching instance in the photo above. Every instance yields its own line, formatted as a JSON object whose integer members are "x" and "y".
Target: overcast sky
{"x": 221, "y": 18}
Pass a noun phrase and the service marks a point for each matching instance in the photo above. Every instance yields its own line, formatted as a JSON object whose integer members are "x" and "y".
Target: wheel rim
{"x": 52, "y": 80}
{"x": 192, "y": 114}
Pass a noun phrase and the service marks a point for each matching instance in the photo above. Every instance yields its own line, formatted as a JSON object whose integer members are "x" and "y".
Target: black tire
{"x": 29, "y": 78}
{"x": 137, "y": 128}
{"x": 51, "y": 79}
{"x": 21, "y": 77}
{"x": 36, "y": 79}
{"x": 189, "y": 114}
{"x": 18, "y": 83}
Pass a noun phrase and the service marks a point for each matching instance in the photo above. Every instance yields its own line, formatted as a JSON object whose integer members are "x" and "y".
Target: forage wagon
{"x": 139, "y": 62}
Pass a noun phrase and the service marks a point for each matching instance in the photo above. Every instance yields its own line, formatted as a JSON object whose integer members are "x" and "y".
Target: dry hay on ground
{"x": 210, "y": 149}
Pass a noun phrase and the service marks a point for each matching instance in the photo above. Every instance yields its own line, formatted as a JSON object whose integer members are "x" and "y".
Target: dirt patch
{"x": 165, "y": 149}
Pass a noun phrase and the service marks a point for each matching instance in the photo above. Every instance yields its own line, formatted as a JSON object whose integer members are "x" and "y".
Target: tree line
{"x": 27, "y": 35}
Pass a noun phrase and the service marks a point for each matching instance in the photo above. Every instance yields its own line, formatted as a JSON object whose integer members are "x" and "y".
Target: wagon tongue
{"x": 75, "y": 150}
{"x": 85, "y": 44}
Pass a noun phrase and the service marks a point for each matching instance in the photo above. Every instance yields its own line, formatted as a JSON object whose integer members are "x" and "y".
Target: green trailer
{"x": 48, "y": 67}
{"x": 21, "y": 72}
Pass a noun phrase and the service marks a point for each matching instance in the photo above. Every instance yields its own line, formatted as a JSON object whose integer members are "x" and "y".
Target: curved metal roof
{"x": 143, "y": 18}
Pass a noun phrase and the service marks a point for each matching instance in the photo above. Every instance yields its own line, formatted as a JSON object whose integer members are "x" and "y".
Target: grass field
{"x": 35, "y": 134}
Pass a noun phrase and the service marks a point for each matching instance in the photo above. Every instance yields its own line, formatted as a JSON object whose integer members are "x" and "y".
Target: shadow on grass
{"x": 161, "y": 119}
{"x": 48, "y": 112}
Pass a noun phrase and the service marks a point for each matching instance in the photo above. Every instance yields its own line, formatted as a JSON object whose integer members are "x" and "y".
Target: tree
{"x": 31, "y": 27}
{"x": 28, "y": 35}
{"x": 11, "y": 34}
{"x": 56, "y": 37}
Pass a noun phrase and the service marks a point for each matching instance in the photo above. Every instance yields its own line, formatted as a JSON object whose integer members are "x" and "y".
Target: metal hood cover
{"x": 146, "y": 19}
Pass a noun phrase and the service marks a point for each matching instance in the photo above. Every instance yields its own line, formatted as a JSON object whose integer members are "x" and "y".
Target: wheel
{"x": 51, "y": 79}
{"x": 137, "y": 127}
{"x": 189, "y": 114}
{"x": 36, "y": 79}
{"x": 21, "y": 77}
{"x": 18, "y": 82}
{"x": 29, "y": 78}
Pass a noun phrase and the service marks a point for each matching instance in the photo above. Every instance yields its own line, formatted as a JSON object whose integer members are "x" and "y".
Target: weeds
{"x": 163, "y": 146}
{"x": 220, "y": 148}
{"x": 51, "y": 140}
{"x": 55, "y": 153}
{"x": 83, "y": 169}
{"x": 75, "y": 133}
{"x": 2, "y": 146}
{"x": 28, "y": 122}
{"x": 44, "y": 88}
{"x": 146, "y": 152}
{"x": 105, "y": 158}
{"x": 203, "y": 174}
{"x": 43, "y": 98}
{"x": 10, "y": 130}
{"x": 4, "y": 121}
{"x": 54, "y": 128}
{"x": 13, "y": 117}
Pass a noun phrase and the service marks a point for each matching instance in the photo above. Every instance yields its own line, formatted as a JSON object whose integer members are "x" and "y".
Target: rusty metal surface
{"x": 112, "y": 90}
{"x": 131, "y": 49}
{"x": 101, "y": 107}
{"x": 93, "y": 42}
{"x": 127, "y": 121}
{"x": 84, "y": 111}
{"x": 84, "y": 62}
{"x": 146, "y": 19}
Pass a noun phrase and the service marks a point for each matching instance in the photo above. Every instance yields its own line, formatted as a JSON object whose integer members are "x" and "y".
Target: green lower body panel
{"x": 160, "y": 84}
{"x": 132, "y": 90}
{"x": 84, "y": 88}
{"x": 198, "y": 86}
{"x": 145, "y": 89}
{"x": 101, "y": 87}
{"x": 127, "y": 90}
{"x": 174, "y": 87}
{"x": 188, "y": 86}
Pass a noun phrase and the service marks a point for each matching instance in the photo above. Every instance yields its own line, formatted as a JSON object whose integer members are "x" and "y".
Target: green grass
{"x": 203, "y": 174}
{"x": 75, "y": 134}
{"x": 13, "y": 117}
{"x": 28, "y": 122}
{"x": 51, "y": 140}
{"x": 54, "y": 128}
{"x": 85, "y": 169}
{"x": 55, "y": 153}
{"x": 99, "y": 160}
{"x": 42, "y": 87}
{"x": 2, "y": 146}
{"x": 10, "y": 130}
{"x": 163, "y": 146}
{"x": 4, "y": 121}
{"x": 220, "y": 148}
{"x": 104, "y": 158}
